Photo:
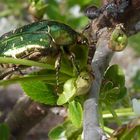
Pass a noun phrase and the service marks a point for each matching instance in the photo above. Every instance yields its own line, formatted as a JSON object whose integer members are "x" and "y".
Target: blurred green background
{"x": 68, "y": 11}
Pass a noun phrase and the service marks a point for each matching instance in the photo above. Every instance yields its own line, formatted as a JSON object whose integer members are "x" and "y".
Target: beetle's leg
{"x": 16, "y": 68}
{"x": 49, "y": 33}
{"x": 10, "y": 72}
{"x": 72, "y": 58}
{"x": 57, "y": 68}
{"x": 4, "y": 74}
{"x": 85, "y": 28}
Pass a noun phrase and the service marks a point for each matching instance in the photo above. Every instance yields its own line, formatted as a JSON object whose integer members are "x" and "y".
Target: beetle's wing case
{"x": 39, "y": 33}
{"x": 40, "y": 26}
{"x": 24, "y": 41}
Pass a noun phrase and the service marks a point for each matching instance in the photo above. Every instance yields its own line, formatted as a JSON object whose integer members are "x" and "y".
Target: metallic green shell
{"x": 45, "y": 34}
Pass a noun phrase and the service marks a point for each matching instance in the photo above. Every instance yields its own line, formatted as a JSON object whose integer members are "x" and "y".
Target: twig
{"x": 100, "y": 63}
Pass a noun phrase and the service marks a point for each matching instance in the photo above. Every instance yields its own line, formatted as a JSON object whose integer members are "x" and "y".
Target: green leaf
{"x": 136, "y": 82}
{"x": 115, "y": 74}
{"x": 113, "y": 87}
{"x": 40, "y": 92}
{"x": 72, "y": 132}
{"x": 122, "y": 93}
{"x": 75, "y": 113}
{"x": 57, "y": 133}
{"x": 69, "y": 91}
{"x": 107, "y": 86}
{"x": 4, "y": 132}
{"x": 110, "y": 96}
{"x": 134, "y": 42}
{"x": 51, "y": 9}
{"x": 81, "y": 55}
{"x": 65, "y": 131}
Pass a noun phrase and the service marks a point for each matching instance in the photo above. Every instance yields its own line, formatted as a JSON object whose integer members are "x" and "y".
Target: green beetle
{"x": 43, "y": 33}
{"x": 40, "y": 39}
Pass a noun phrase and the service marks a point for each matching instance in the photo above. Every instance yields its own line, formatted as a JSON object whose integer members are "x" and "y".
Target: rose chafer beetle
{"x": 41, "y": 39}
{"x": 45, "y": 33}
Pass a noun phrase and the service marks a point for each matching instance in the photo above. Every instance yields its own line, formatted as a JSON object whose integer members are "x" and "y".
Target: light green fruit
{"x": 75, "y": 87}
{"x": 83, "y": 83}
{"x": 118, "y": 39}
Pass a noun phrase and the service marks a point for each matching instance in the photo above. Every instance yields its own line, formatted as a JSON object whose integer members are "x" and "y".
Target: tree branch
{"x": 100, "y": 62}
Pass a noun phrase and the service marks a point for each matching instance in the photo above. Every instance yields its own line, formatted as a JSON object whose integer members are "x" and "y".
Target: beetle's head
{"x": 81, "y": 39}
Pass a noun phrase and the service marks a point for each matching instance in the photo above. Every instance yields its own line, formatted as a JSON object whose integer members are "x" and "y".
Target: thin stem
{"x": 120, "y": 113}
{"x": 114, "y": 114}
{"x": 108, "y": 130}
{"x": 101, "y": 116}
{"x": 31, "y": 63}
{"x": 24, "y": 62}
{"x": 48, "y": 78}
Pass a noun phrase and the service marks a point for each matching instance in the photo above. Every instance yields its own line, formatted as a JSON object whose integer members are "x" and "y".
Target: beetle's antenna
{"x": 72, "y": 58}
